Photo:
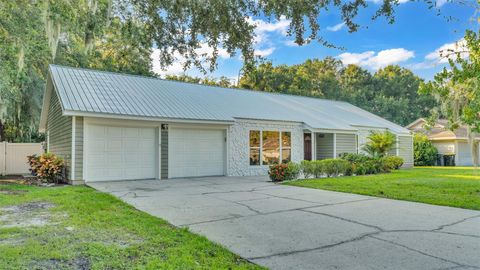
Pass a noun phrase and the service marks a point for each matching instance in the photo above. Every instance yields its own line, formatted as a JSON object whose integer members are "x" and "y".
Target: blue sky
{"x": 413, "y": 41}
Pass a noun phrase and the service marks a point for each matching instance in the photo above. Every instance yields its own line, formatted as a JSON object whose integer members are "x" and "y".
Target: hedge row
{"x": 348, "y": 164}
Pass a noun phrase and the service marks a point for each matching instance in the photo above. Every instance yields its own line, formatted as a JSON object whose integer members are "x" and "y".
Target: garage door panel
{"x": 113, "y": 144}
{"x": 97, "y": 146}
{"x": 196, "y": 152}
{"x": 97, "y": 132}
{"x": 119, "y": 153}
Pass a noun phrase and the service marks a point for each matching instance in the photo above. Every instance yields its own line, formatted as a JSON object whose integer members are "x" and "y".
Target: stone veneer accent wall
{"x": 238, "y": 145}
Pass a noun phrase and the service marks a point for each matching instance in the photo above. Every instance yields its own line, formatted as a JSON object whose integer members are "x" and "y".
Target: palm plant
{"x": 379, "y": 143}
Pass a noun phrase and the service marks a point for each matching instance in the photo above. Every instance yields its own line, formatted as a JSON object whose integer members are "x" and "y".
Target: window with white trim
{"x": 286, "y": 147}
{"x": 255, "y": 147}
{"x": 270, "y": 147}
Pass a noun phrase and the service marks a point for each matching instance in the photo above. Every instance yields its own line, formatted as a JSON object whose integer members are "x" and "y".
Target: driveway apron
{"x": 285, "y": 227}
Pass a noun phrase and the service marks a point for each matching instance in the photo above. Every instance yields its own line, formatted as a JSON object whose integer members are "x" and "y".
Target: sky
{"x": 414, "y": 40}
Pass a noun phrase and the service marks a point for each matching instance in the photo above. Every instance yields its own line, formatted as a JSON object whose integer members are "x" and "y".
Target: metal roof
{"x": 84, "y": 91}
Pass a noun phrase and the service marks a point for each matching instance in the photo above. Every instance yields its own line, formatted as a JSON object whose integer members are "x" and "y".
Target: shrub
{"x": 362, "y": 164}
{"x": 372, "y": 166}
{"x": 379, "y": 143}
{"x": 354, "y": 158}
{"x": 282, "y": 172}
{"x": 317, "y": 168}
{"x": 334, "y": 167}
{"x": 306, "y": 167}
{"x": 424, "y": 152}
{"x": 359, "y": 169}
{"x": 293, "y": 171}
{"x": 393, "y": 162}
{"x": 47, "y": 167}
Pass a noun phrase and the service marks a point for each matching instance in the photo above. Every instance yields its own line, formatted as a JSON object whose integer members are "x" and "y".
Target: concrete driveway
{"x": 283, "y": 227}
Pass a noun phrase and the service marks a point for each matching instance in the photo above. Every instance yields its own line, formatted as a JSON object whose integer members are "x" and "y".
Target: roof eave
{"x": 145, "y": 118}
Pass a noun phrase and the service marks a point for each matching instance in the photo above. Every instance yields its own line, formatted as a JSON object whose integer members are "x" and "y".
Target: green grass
{"x": 95, "y": 230}
{"x": 450, "y": 186}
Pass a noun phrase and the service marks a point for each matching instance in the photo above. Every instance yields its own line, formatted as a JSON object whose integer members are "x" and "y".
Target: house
{"x": 449, "y": 143}
{"x": 110, "y": 126}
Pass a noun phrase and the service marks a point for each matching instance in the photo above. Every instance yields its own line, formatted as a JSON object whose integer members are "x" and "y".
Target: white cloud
{"x": 176, "y": 67}
{"x": 389, "y": 57}
{"x": 262, "y": 26}
{"x": 355, "y": 58}
{"x": 336, "y": 27}
{"x": 446, "y": 51}
{"x": 442, "y": 54}
{"x": 290, "y": 43}
{"x": 263, "y": 31}
{"x": 441, "y": 2}
{"x": 375, "y": 61}
{"x": 264, "y": 52}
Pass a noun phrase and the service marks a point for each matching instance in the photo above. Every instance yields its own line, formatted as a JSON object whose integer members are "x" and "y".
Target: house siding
{"x": 346, "y": 143}
{"x": 238, "y": 145}
{"x": 463, "y": 155}
{"x": 59, "y": 130}
{"x": 405, "y": 150}
{"x": 325, "y": 146}
{"x": 363, "y": 134}
{"x": 445, "y": 147}
{"x": 78, "y": 148}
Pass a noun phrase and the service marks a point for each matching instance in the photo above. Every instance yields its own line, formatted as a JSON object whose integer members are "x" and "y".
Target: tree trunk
{"x": 473, "y": 146}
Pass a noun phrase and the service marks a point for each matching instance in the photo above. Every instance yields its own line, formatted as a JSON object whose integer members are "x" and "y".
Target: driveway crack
{"x": 313, "y": 249}
{"x": 455, "y": 223}
{"x": 424, "y": 253}
{"x": 345, "y": 219}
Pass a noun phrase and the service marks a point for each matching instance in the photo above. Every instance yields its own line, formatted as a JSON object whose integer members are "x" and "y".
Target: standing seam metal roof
{"x": 92, "y": 91}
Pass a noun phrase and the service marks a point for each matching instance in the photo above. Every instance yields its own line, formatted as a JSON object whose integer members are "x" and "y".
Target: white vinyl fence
{"x": 13, "y": 157}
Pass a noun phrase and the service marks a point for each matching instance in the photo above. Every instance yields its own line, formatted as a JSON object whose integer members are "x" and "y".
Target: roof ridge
{"x": 198, "y": 84}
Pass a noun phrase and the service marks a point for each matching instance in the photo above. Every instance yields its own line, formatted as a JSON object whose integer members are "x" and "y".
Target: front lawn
{"x": 450, "y": 186}
{"x": 80, "y": 228}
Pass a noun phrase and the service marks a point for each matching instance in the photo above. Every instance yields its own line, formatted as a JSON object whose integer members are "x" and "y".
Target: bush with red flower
{"x": 284, "y": 172}
{"x": 47, "y": 167}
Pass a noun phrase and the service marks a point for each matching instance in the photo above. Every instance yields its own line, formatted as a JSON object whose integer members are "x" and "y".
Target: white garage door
{"x": 119, "y": 153}
{"x": 196, "y": 152}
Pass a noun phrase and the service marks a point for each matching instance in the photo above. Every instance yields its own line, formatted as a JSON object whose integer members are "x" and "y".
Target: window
{"x": 286, "y": 147}
{"x": 254, "y": 147}
{"x": 270, "y": 147}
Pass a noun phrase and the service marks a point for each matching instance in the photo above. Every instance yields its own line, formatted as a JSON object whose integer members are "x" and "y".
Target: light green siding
{"x": 324, "y": 145}
{"x": 346, "y": 143}
{"x": 59, "y": 130}
{"x": 78, "y": 148}
{"x": 405, "y": 149}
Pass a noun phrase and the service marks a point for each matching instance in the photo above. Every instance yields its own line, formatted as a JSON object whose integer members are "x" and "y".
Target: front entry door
{"x": 307, "y": 146}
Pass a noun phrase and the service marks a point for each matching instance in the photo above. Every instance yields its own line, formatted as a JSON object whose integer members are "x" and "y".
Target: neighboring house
{"x": 446, "y": 141}
{"x": 110, "y": 126}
